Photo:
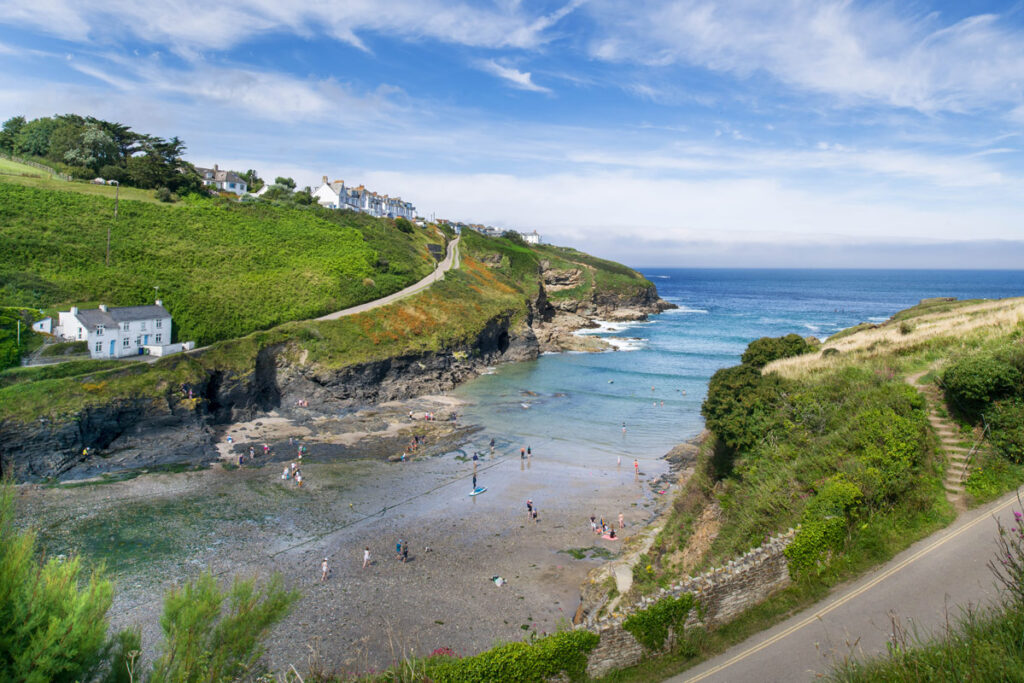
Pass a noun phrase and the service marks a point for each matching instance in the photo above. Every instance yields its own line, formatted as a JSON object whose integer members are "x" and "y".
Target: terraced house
{"x": 120, "y": 331}
{"x": 335, "y": 195}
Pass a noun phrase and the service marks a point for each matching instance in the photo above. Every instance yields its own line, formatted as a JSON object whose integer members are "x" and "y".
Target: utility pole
{"x": 117, "y": 193}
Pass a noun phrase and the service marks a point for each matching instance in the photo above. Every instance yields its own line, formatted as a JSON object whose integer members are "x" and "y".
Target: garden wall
{"x": 722, "y": 593}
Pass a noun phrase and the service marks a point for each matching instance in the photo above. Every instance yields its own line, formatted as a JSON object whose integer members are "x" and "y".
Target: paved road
{"x": 451, "y": 260}
{"x": 945, "y": 570}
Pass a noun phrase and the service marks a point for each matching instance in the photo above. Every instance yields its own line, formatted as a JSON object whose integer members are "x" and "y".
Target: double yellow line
{"x": 985, "y": 516}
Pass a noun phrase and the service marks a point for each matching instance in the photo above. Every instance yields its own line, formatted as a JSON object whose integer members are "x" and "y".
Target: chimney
{"x": 103, "y": 307}
{"x": 340, "y": 181}
{"x": 159, "y": 302}
{"x": 215, "y": 168}
{"x": 325, "y": 180}
{"x": 74, "y": 310}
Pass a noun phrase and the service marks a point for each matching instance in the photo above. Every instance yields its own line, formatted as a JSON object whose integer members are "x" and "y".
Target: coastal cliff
{"x": 172, "y": 420}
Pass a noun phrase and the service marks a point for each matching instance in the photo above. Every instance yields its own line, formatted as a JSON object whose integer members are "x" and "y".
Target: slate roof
{"x": 112, "y": 317}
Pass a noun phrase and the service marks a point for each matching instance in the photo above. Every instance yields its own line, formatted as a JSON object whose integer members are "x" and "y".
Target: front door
{"x": 145, "y": 340}
{"x": 112, "y": 343}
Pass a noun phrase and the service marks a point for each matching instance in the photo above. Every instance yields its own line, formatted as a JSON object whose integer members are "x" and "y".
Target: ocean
{"x": 573, "y": 405}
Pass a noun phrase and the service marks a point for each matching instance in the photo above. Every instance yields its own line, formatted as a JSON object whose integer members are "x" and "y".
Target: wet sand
{"x": 156, "y": 530}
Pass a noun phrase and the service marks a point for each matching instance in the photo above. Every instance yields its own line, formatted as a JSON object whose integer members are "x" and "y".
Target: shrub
{"x": 823, "y": 524}
{"x": 536, "y": 662}
{"x": 651, "y": 626}
{"x": 164, "y": 194}
{"x": 403, "y": 224}
{"x": 762, "y": 351}
{"x": 1006, "y": 429}
{"x": 739, "y": 401}
{"x": 974, "y": 381}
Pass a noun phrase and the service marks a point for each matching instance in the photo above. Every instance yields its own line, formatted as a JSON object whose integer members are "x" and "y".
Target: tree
{"x": 9, "y": 133}
{"x": 403, "y": 224}
{"x": 52, "y": 628}
{"x": 205, "y": 642}
{"x": 251, "y": 179}
{"x": 303, "y": 196}
{"x": 285, "y": 182}
{"x": 65, "y": 137}
{"x": 34, "y": 137}
{"x": 95, "y": 148}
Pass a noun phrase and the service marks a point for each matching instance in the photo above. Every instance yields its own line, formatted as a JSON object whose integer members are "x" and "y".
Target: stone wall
{"x": 722, "y": 593}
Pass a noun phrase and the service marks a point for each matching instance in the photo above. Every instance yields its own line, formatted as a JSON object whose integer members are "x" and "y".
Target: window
{"x": 99, "y": 330}
{"x": 159, "y": 324}
{"x": 143, "y": 324}
{"x": 79, "y": 332}
{"x": 138, "y": 341}
{"x": 158, "y": 338}
{"x": 99, "y": 347}
{"x": 125, "y": 326}
{"x": 126, "y": 343}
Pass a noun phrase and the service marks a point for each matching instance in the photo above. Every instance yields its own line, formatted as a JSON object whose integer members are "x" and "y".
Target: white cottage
{"x": 224, "y": 181}
{"x": 119, "y": 332}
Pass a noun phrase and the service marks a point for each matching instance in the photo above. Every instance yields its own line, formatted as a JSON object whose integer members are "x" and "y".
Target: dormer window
{"x": 125, "y": 327}
{"x": 99, "y": 330}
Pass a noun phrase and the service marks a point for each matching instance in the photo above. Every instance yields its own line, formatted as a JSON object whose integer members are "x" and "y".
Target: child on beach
{"x": 622, "y": 521}
{"x": 324, "y": 570}
{"x": 366, "y": 556}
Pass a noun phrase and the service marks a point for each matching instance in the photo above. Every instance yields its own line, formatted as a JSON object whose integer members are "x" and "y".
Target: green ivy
{"x": 650, "y": 626}
{"x": 823, "y": 524}
{"x": 534, "y": 662}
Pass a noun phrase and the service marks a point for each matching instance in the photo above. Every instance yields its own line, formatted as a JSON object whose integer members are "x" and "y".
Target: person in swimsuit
{"x": 492, "y": 446}
{"x": 405, "y": 552}
{"x": 366, "y": 556}
{"x": 474, "y": 481}
{"x": 529, "y": 508}
{"x": 324, "y": 570}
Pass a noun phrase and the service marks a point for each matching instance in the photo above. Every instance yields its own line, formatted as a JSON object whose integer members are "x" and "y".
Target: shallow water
{"x": 583, "y": 399}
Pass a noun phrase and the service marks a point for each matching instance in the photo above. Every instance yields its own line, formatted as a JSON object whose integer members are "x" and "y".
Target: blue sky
{"x": 683, "y": 133}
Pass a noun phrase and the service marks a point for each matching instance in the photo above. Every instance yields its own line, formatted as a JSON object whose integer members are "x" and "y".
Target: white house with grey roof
{"x": 120, "y": 331}
{"x": 335, "y": 195}
{"x": 225, "y": 181}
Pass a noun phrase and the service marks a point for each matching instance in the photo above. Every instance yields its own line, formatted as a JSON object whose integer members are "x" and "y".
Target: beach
{"x": 157, "y": 530}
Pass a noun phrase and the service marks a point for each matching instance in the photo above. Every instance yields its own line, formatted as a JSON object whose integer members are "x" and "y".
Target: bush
{"x": 534, "y": 662}
{"x": 762, "y": 351}
{"x": 1006, "y": 429}
{"x": 164, "y": 194}
{"x": 403, "y": 224}
{"x": 823, "y": 525}
{"x": 973, "y": 382}
{"x": 651, "y": 626}
{"x": 740, "y": 400}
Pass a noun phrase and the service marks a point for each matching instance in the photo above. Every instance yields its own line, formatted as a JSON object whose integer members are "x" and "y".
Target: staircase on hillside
{"x": 958, "y": 453}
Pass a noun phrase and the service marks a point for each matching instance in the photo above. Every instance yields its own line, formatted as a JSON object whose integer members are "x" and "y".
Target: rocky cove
{"x": 183, "y": 427}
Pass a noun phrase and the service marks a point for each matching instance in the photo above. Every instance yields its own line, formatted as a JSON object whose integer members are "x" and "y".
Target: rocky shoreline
{"x": 181, "y": 431}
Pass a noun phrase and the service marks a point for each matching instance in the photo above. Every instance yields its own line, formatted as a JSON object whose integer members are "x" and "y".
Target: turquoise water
{"x": 582, "y": 399}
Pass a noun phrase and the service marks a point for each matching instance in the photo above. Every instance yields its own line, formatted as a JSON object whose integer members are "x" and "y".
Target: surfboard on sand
{"x": 478, "y": 490}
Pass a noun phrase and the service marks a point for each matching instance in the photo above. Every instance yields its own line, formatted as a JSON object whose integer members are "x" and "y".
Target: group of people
{"x": 531, "y": 510}
{"x": 601, "y": 528}
{"x": 294, "y": 473}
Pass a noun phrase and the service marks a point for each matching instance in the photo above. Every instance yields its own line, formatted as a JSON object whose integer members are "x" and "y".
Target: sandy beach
{"x": 158, "y": 529}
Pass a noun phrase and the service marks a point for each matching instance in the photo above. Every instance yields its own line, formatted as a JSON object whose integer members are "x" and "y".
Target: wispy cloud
{"x": 878, "y": 52}
{"x": 517, "y": 79}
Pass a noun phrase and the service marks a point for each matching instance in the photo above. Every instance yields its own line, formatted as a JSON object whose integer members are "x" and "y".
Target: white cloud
{"x": 189, "y": 26}
{"x": 518, "y": 79}
{"x": 853, "y": 51}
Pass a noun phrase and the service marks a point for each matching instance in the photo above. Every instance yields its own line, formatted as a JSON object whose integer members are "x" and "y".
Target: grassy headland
{"x": 249, "y": 277}
{"x": 833, "y": 438}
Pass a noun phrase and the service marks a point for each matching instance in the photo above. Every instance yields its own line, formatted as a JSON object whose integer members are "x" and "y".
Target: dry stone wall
{"x": 722, "y": 593}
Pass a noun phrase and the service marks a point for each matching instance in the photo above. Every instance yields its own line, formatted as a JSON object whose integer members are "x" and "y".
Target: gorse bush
{"x": 974, "y": 381}
{"x": 536, "y": 662}
{"x": 762, "y": 351}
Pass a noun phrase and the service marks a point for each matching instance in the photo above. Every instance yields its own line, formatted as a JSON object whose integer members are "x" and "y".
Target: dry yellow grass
{"x": 989, "y": 318}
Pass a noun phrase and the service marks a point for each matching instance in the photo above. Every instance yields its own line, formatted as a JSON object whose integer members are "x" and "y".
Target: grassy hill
{"x": 223, "y": 269}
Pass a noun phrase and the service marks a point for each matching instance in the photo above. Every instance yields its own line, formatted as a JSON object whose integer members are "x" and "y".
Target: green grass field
{"x": 13, "y": 168}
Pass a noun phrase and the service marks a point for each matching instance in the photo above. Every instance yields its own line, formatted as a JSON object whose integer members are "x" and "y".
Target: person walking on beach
{"x": 492, "y": 445}
{"x": 623, "y": 427}
{"x": 529, "y": 508}
{"x": 636, "y": 466}
{"x": 522, "y": 454}
{"x": 366, "y": 556}
{"x": 398, "y": 550}
{"x": 529, "y": 451}
{"x": 405, "y": 553}
{"x": 474, "y": 481}
{"x": 324, "y": 570}
{"x": 622, "y": 521}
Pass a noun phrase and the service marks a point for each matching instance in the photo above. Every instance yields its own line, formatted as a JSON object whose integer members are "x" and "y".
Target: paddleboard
{"x": 478, "y": 490}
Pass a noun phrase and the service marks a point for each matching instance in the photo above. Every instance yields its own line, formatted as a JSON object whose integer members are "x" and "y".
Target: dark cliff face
{"x": 146, "y": 433}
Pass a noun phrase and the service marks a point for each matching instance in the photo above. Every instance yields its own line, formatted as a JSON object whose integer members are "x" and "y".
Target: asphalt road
{"x": 921, "y": 587}
{"x": 451, "y": 260}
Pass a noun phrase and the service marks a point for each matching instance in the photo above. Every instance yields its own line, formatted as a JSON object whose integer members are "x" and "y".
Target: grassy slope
{"x": 224, "y": 269}
{"x": 820, "y": 427}
{"x": 445, "y": 318}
